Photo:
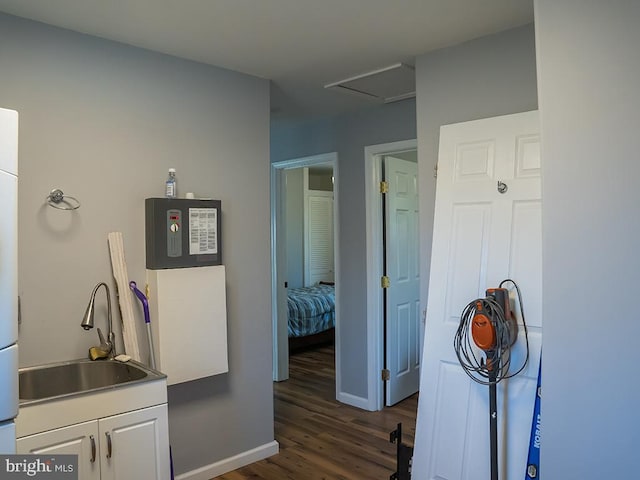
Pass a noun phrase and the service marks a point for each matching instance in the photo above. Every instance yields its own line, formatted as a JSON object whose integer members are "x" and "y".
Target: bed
{"x": 311, "y": 313}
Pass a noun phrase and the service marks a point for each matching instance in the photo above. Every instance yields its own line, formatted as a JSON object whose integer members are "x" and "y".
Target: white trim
{"x": 282, "y": 358}
{"x": 232, "y": 463}
{"x": 375, "y": 337}
{"x": 353, "y": 400}
{"x": 310, "y": 161}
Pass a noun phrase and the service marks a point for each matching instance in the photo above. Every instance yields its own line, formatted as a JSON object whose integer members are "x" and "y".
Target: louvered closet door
{"x": 318, "y": 226}
{"x": 481, "y": 236}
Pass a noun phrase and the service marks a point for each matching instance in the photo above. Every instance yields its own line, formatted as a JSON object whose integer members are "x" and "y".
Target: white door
{"x": 81, "y": 440}
{"x": 402, "y": 326}
{"x": 135, "y": 445}
{"x": 318, "y": 245}
{"x": 480, "y": 237}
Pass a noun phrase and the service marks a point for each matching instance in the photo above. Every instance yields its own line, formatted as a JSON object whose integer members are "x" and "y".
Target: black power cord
{"x": 495, "y": 363}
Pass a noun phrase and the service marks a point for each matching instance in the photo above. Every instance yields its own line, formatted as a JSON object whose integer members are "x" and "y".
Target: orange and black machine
{"x": 491, "y": 339}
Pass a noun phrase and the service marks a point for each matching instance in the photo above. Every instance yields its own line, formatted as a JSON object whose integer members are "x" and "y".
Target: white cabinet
{"x": 135, "y": 445}
{"x": 125, "y": 446}
{"x": 80, "y": 439}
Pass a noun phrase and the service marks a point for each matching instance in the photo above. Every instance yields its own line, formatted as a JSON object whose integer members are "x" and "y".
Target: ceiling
{"x": 301, "y": 45}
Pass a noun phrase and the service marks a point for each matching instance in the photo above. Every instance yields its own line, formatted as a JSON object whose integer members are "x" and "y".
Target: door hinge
{"x": 435, "y": 171}
{"x": 386, "y": 375}
{"x": 385, "y": 282}
{"x": 384, "y": 187}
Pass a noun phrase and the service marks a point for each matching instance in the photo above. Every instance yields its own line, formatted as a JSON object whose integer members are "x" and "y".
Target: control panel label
{"x": 203, "y": 231}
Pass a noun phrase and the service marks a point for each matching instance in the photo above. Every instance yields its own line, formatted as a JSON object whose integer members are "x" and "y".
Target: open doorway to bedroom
{"x": 305, "y": 306}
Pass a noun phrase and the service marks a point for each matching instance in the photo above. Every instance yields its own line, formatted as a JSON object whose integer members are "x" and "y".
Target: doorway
{"x": 375, "y": 248}
{"x": 279, "y": 257}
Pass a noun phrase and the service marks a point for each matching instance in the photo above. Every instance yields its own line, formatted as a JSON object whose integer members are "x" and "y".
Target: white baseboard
{"x": 354, "y": 401}
{"x": 232, "y": 463}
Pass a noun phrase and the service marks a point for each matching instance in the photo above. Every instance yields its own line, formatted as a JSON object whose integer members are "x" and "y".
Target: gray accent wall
{"x": 589, "y": 73}
{"x": 347, "y": 135}
{"x": 104, "y": 122}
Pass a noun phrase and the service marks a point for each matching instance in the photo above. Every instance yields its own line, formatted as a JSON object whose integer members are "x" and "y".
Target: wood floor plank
{"x": 321, "y": 439}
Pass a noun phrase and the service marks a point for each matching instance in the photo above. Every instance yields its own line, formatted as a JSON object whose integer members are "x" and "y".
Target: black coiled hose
{"x": 484, "y": 366}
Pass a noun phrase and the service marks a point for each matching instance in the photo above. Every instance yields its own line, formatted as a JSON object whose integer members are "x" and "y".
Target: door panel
{"x": 402, "y": 267}
{"x": 319, "y": 261}
{"x": 134, "y": 445}
{"x": 452, "y": 397}
{"x": 481, "y": 236}
{"x": 81, "y": 439}
{"x": 466, "y": 268}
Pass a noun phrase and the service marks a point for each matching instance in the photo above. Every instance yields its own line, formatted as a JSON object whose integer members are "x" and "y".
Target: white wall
{"x": 589, "y": 75}
{"x": 103, "y": 122}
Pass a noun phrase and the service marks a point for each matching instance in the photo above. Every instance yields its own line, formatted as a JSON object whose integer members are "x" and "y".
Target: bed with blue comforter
{"x": 311, "y": 310}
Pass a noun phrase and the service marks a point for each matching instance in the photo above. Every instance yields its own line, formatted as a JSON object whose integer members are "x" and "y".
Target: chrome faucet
{"x": 107, "y": 348}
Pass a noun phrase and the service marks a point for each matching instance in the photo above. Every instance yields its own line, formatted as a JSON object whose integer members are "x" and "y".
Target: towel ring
{"x": 57, "y": 197}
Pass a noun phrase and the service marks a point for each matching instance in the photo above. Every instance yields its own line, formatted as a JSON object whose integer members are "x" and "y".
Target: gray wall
{"x": 348, "y": 135}
{"x": 589, "y": 72}
{"x": 103, "y": 122}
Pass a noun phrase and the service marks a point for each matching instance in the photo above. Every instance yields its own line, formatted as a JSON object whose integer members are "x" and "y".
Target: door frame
{"x": 374, "y": 243}
{"x": 279, "y": 331}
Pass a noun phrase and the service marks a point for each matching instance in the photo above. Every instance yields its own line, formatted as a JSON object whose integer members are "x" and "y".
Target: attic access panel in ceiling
{"x": 389, "y": 84}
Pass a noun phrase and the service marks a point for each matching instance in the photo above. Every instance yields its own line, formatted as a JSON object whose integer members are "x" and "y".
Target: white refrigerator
{"x": 8, "y": 279}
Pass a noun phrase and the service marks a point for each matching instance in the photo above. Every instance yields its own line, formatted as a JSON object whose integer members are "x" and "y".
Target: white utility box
{"x": 188, "y": 311}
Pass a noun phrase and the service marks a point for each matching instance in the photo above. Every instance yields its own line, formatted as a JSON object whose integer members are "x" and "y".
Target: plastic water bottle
{"x": 171, "y": 184}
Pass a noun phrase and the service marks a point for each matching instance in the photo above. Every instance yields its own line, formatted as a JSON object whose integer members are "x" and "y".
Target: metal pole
{"x": 493, "y": 423}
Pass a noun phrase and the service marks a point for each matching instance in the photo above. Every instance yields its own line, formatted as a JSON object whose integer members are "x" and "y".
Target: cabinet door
{"x": 80, "y": 440}
{"x": 135, "y": 445}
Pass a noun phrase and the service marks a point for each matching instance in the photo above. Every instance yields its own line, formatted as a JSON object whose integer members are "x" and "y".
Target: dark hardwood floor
{"x": 321, "y": 439}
